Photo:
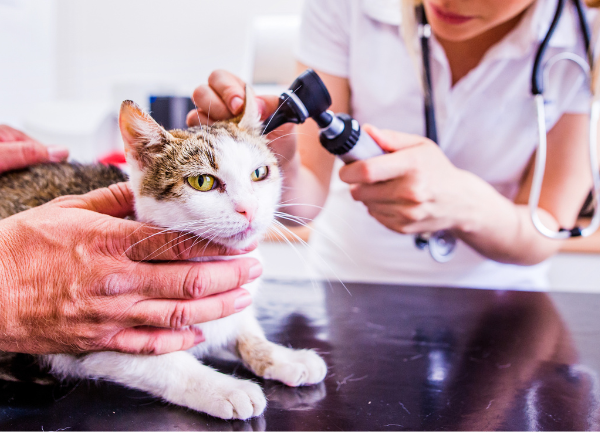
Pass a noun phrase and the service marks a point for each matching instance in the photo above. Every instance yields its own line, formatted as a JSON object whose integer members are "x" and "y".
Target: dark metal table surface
{"x": 399, "y": 358}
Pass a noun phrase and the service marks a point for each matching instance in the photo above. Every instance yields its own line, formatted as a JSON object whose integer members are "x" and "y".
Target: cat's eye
{"x": 260, "y": 173}
{"x": 203, "y": 183}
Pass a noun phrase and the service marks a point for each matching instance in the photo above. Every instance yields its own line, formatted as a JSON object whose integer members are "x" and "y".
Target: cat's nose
{"x": 247, "y": 210}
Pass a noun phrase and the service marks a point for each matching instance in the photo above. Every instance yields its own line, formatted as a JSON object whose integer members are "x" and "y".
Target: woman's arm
{"x": 567, "y": 182}
{"x": 416, "y": 189}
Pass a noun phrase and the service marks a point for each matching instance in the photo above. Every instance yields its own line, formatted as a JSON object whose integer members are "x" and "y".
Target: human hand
{"x": 414, "y": 188}
{"x": 74, "y": 278}
{"x": 18, "y": 150}
{"x": 223, "y": 98}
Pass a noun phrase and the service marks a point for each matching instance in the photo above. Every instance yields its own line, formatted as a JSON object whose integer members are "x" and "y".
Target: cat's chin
{"x": 239, "y": 241}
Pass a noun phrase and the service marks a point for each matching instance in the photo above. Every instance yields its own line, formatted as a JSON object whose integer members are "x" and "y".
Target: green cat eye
{"x": 203, "y": 182}
{"x": 260, "y": 173}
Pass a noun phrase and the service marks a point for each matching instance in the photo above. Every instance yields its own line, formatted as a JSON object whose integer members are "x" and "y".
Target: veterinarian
{"x": 72, "y": 280}
{"x": 475, "y": 181}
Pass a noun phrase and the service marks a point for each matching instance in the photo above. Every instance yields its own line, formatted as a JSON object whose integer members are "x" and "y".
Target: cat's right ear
{"x": 143, "y": 137}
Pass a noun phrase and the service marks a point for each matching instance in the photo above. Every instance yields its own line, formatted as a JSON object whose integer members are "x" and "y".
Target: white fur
{"x": 179, "y": 377}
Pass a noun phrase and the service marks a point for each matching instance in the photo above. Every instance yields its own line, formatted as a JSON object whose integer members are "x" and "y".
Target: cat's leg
{"x": 178, "y": 378}
{"x": 271, "y": 361}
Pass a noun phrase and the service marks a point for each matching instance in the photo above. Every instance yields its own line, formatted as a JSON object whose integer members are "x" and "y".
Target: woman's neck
{"x": 463, "y": 56}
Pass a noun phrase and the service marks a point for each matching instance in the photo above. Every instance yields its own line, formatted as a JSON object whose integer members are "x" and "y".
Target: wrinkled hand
{"x": 414, "y": 188}
{"x": 223, "y": 98}
{"x": 18, "y": 150}
{"x": 74, "y": 277}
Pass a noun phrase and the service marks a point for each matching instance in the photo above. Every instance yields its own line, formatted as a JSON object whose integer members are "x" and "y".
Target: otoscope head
{"x": 306, "y": 97}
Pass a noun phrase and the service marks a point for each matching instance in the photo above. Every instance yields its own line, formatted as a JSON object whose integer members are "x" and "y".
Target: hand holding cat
{"x": 414, "y": 188}
{"x": 74, "y": 278}
{"x": 18, "y": 150}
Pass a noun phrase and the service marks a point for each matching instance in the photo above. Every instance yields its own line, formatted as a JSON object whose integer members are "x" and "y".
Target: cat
{"x": 220, "y": 182}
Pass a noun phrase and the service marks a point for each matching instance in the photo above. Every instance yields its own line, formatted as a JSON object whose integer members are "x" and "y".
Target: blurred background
{"x": 67, "y": 65}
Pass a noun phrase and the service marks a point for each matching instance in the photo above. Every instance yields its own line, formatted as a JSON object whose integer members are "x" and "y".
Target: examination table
{"x": 399, "y": 357}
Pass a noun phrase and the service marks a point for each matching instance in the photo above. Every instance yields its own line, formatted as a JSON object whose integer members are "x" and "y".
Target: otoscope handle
{"x": 344, "y": 138}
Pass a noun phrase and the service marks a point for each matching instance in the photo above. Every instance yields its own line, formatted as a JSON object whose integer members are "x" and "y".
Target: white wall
{"x": 27, "y": 56}
{"x": 77, "y": 49}
{"x": 175, "y": 41}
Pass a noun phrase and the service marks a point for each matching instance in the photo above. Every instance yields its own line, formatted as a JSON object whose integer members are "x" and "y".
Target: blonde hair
{"x": 408, "y": 31}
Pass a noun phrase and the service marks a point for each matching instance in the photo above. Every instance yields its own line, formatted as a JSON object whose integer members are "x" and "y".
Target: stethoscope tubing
{"x": 441, "y": 244}
{"x": 538, "y": 76}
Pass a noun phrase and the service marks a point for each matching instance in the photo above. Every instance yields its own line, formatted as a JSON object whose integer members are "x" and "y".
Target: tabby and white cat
{"x": 222, "y": 183}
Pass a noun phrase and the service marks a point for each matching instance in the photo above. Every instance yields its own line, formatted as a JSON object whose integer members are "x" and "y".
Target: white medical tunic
{"x": 486, "y": 124}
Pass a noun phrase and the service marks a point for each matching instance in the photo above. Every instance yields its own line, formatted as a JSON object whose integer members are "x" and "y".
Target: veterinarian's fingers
{"x": 207, "y": 101}
{"x": 192, "y": 280}
{"x": 154, "y": 341}
{"x": 21, "y": 154}
{"x": 177, "y": 314}
{"x": 230, "y": 88}
{"x": 197, "y": 118}
{"x": 115, "y": 200}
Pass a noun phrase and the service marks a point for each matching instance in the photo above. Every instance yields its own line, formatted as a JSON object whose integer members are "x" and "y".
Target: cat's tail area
{"x": 24, "y": 368}
{"x": 177, "y": 377}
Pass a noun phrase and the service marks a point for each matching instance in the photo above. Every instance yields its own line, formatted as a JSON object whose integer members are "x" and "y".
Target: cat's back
{"x": 33, "y": 186}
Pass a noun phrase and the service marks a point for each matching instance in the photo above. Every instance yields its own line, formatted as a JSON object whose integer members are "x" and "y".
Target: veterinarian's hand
{"x": 75, "y": 277}
{"x": 223, "y": 98}
{"x": 414, "y": 188}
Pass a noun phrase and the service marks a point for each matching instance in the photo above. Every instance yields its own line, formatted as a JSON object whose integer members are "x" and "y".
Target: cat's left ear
{"x": 143, "y": 137}
{"x": 250, "y": 118}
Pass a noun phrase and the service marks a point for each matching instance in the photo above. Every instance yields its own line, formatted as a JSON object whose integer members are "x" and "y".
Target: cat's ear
{"x": 143, "y": 137}
{"x": 250, "y": 118}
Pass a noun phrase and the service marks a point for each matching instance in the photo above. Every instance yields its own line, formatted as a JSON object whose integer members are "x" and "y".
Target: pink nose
{"x": 247, "y": 210}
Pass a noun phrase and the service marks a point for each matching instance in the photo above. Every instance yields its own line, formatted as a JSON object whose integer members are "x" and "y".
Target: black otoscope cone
{"x": 309, "y": 98}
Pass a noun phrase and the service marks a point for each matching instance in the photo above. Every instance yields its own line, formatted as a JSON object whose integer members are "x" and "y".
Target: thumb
{"x": 115, "y": 200}
{"x": 267, "y": 105}
{"x": 21, "y": 154}
{"x": 391, "y": 141}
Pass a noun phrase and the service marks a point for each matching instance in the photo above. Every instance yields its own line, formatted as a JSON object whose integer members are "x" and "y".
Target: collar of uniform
{"x": 385, "y": 11}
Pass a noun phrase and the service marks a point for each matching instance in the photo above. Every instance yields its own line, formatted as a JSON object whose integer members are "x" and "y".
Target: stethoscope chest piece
{"x": 441, "y": 245}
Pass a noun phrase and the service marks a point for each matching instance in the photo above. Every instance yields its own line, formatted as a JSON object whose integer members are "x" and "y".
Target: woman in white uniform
{"x": 476, "y": 183}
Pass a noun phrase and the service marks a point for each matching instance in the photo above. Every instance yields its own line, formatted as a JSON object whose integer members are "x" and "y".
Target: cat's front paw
{"x": 234, "y": 399}
{"x": 296, "y": 368}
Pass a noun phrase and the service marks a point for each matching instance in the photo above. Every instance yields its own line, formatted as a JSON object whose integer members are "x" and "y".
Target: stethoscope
{"x": 442, "y": 244}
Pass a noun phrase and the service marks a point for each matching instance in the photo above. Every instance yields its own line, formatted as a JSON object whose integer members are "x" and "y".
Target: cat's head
{"x": 220, "y": 182}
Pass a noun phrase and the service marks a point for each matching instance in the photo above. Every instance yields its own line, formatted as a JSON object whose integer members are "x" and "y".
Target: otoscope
{"x": 342, "y": 136}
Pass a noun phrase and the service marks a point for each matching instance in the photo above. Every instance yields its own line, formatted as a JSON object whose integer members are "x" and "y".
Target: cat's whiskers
{"x": 300, "y": 221}
{"x": 306, "y": 245}
{"x": 173, "y": 229}
{"x": 186, "y": 236}
{"x": 309, "y": 249}
{"x": 281, "y": 235}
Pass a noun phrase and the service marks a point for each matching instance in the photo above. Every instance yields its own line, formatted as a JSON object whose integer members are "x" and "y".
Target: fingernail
{"x": 254, "y": 272}
{"x": 198, "y": 337}
{"x": 236, "y": 104}
{"x": 57, "y": 153}
{"x": 242, "y": 302}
